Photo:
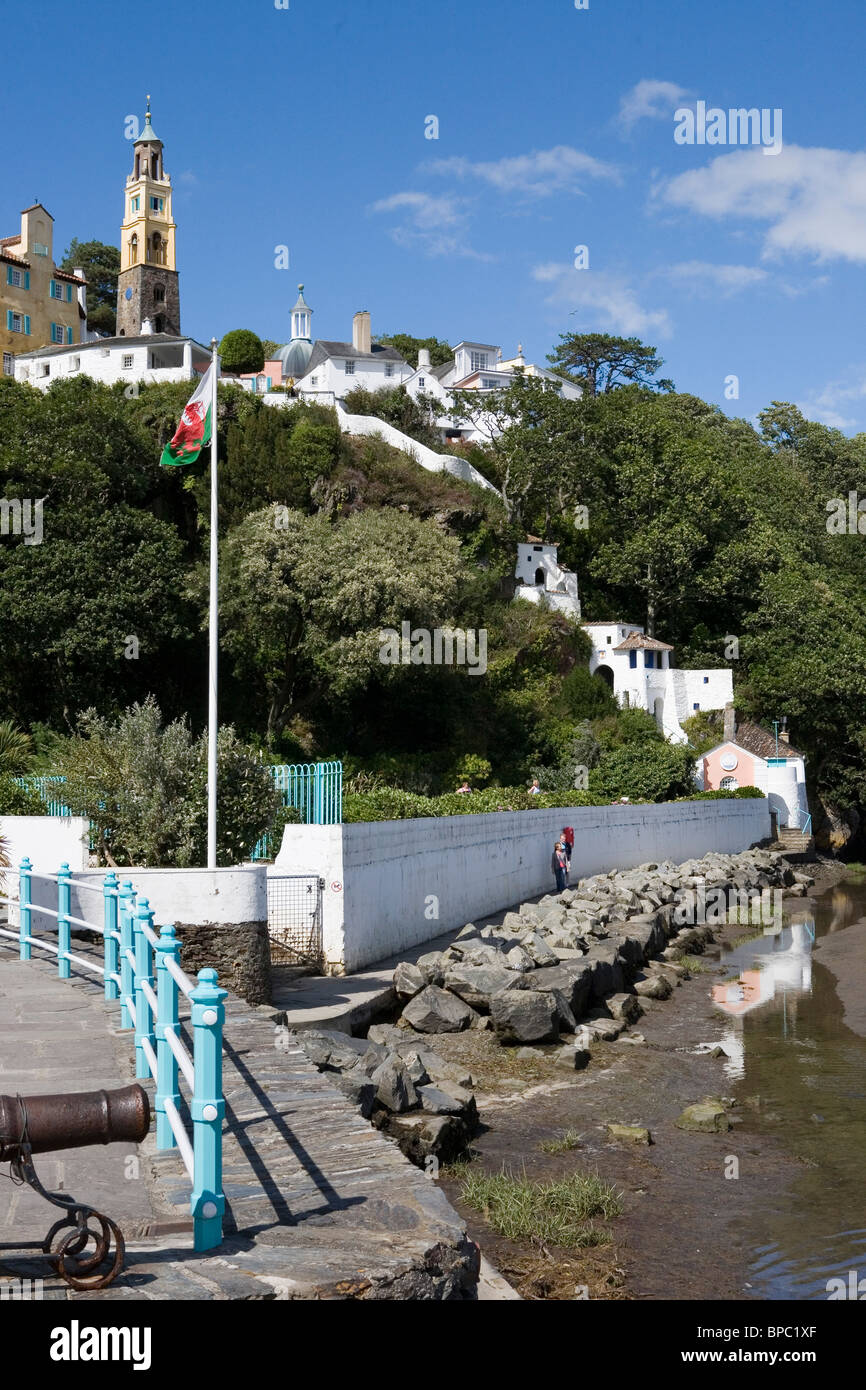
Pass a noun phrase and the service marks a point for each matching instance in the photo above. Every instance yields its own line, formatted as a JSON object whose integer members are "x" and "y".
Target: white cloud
{"x": 540, "y": 173}
{"x": 703, "y": 277}
{"x": 827, "y": 404}
{"x": 434, "y": 224}
{"x": 605, "y": 299}
{"x": 813, "y": 200}
{"x": 651, "y": 100}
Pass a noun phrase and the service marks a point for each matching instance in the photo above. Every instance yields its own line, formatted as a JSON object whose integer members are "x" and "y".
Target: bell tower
{"x": 147, "y": 287}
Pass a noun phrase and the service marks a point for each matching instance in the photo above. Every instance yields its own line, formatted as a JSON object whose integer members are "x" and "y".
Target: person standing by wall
{"x": 559, "y": 865}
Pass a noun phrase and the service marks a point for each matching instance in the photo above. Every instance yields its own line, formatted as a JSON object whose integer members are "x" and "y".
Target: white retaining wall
{"x": 197, "y": 897}
{"x": 48, "y": 841}
{"x": 390, "y": 885}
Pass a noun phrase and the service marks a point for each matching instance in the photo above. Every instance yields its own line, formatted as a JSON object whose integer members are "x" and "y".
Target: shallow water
{"x": 793, "y": 1007}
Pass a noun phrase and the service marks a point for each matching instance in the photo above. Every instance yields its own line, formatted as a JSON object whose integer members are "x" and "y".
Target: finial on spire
{"x": 147, "y": 113}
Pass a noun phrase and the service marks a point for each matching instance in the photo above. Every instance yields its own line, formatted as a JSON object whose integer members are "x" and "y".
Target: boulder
{"x": 607, "y": 971}
{"x": 415, "y": 1067}
{"x": 519, "y": 960}
{"x": 432, "y": 967}
{"x": 565, "y": 1018}
{"x": 408, "y": 980}
{"x": 386, "y": 1034}
{"x": 573, "y": 1058}
{"x": 434, "y": 1010}
{"x": 525, "y": 1015}
{"x": 572, "y": 977}
{"x": 606, "y": 1029}
{"x": 423, "y": 1136}
{"x": 654, "y": 987}
{"x": 624, "y": 1006}
{"x": 630, "y": 1134}
{"x": 359, "y": 1089}
{"x": 707, "y": 1117}
{"x": 476, "y": 983}
{"x": 394, "y": 1088}
{"x": 438, "y": 1102}
{"x": 539, "y": 950}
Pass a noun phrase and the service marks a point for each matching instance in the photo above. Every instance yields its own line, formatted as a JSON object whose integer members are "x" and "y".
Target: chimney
{"x": 730, "y": 727}
{"x": 361, "y": 340}
{"x": 783, "y": 736}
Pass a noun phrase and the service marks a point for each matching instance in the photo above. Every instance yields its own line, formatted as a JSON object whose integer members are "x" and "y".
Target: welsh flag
{"x": 193, "y": 432}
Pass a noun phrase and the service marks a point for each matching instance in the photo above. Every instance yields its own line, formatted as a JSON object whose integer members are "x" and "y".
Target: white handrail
{"x": 150, "y": 1055}
{"x": 180, "y": 1134}
{"x": 184, "y": 1060}
{"x": 149, "y": 995}
{"x": 179, "y": 975}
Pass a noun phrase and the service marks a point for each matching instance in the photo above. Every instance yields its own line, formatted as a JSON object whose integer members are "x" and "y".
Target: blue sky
{"x": 305, "y": 126}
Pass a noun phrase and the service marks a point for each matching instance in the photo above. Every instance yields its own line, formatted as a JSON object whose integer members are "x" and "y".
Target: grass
{"x": 569, "y": 1139}
{"x": 694, "y": 965}
{"x": 556, "y": 1212}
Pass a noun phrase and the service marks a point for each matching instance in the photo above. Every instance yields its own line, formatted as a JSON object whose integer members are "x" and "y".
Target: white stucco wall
{"x": 198, "y": 897}
{"x": 47, "y": 841}
{"x": 427, "y": 458}
{"x": 106, "y": 364}
{"x": 385, "y": 880}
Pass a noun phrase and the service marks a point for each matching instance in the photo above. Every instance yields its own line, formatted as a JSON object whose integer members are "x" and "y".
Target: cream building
{"x": 40, "y": 304}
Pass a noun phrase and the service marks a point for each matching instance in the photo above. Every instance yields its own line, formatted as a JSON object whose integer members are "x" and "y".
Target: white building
{"x": 476, "y": 367}
{"x": 153, "y": 357}
{"x": 326, "y": 370}
{"x": 541, "y": 579}
{"x": 637, "y": 668}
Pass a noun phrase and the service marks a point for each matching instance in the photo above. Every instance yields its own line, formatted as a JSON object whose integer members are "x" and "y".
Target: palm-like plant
{"x": 16, "y": 749}
{"x": 4, "y": 855}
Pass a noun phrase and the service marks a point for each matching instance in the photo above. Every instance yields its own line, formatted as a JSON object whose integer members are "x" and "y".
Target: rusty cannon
{"x": 46, "y": 1124}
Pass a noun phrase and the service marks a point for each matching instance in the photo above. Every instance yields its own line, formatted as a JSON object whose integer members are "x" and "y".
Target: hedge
{"x": 391, "y": 803}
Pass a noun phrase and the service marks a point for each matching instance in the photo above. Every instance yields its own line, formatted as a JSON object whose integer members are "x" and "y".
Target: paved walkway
{"x": 320, "y": 1204}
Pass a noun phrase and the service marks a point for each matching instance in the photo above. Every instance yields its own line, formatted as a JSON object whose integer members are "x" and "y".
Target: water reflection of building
{"x": 778, "y": 962}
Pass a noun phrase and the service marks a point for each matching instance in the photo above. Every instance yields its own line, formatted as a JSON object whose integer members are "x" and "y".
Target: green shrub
{"x": 19, "y": 801}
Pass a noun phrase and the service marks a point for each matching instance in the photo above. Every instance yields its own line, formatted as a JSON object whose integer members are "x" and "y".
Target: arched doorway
{"x": 539, "y": 576}
{"x": 606, "y": 675}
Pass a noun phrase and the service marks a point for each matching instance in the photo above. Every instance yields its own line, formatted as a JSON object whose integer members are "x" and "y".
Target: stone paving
{"x": 320, "y": 1205}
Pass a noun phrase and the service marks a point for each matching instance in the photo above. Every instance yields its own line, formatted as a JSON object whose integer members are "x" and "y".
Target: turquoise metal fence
{"x": 313, "y": 789}
{"x": 149, "y": 1004}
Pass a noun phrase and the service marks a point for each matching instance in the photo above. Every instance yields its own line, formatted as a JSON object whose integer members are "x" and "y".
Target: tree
{"x": 143, "y": 784}
{"x": 600, "y": 362}
{"x": 241, "y": 351}
{"x": 408, "y": 348}
{"x": 304, "y": 601}
{"x": 394, "y": 405}
{"x": 270, "y": 348}
{"x": 101, "y": 266}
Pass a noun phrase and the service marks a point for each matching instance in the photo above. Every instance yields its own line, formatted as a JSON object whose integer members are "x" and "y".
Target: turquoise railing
{"x": 149, "y": 1004}
{"x": 313, "y": 789}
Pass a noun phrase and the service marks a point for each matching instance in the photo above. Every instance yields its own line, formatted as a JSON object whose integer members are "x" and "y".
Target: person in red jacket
{"x": 559, "y": 865}
{"x": 567, "y": 838}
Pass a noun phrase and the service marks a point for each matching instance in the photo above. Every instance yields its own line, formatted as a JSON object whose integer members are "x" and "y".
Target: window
{"x": 478, "y": 361}
{"x": 350, "y": 368}
{"x": 649, "y": 658}
{"x": 706, "y": 680}
{"x": 695, "y": 706}
{"x": 389, "y": 368}
{"x": 421, "y": 383}
{"x": 128, "y": 360}
{"x": 135, "y": 204}
{"x": 133, "y": 248}
{"x": 157, "y": 204}
{"x": 609, "y": 640}
{"x": 17, "y": 323}
{"x": 632, "y": 660}
{"x": 728, "y": 784}
{"x": 8, "y": 364}
{"x": 45, "y": 369}
{"x": 314, "y": 381}
{"x": 14, "y": 278}
{"x": 56, "y": 289}
{"x": 74, "y": 364}
{"x": 489, "y": 383}
{"x": 39, "y": 248}
{"x": 58, "y": 333}
{"x": 158, "y": 295}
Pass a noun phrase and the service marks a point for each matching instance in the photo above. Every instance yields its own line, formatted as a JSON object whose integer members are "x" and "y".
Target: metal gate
{"x": 295, "y": 918}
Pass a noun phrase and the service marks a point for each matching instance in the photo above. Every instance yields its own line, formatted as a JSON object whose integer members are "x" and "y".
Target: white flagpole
{"x": 213, "y": 628}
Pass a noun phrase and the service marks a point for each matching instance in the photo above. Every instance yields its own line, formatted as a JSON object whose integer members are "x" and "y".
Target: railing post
{"x": 64, "y": 926}
{"x": 207, "y": 1110}
{"x": 109, "y": 934}
{"x": 166, "y": 1018}
{"x": 317, "y": 793}
{"x": 143, "y": 972}
{"x": 125, "y": 909}
{"x": 24, "y": 891}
